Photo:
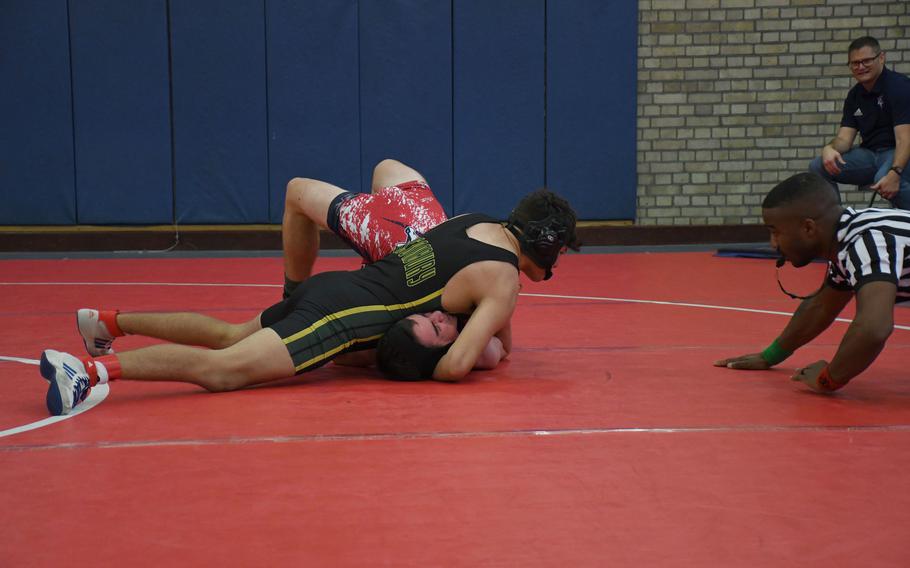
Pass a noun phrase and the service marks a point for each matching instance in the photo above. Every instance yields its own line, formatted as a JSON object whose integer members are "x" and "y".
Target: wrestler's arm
{"x": 505, "y": 336}
{"x": 492, "y": 354}
{"x": 494, "y": 308}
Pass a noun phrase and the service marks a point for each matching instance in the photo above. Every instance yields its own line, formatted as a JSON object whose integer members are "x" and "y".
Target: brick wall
{"x": 736, "y": 95}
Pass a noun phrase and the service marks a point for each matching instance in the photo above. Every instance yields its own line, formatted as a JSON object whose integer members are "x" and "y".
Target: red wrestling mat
{"x": 608, "y": 439}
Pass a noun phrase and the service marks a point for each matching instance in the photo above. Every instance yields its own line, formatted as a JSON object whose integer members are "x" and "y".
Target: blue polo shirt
{"x": 875, "y": 113}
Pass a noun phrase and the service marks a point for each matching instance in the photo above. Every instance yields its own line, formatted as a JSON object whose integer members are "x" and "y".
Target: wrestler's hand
{"x": 752, "y": 362}
{"x": 888, "y": 186}
{"x": 832, "y": 160}
{"x": 809, "y": 376}
{"x": 492, "y": 354}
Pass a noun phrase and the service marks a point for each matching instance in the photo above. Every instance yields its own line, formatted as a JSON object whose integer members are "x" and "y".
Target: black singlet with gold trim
{"x": 335, "y": 312}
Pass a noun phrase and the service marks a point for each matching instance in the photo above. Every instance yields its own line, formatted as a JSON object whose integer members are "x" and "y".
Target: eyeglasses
{"x": 863, "y": 62}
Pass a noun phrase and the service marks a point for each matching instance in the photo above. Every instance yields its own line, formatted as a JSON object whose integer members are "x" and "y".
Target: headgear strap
{"x": 542, "y": 240}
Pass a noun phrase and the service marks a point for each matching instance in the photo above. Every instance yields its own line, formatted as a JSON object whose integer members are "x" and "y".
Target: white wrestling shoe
{"x": 97, "y": 339}
{"x": 69, "y": 381}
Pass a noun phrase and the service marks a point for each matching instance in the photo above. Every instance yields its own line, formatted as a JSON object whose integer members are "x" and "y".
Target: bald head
{"x": 806, "y": 195}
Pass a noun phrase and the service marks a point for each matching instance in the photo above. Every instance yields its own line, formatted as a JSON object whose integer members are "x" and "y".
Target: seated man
{"x": 467, "y": 265}
{"x": 878, "y": 108}
{"x": 868, "y": 253}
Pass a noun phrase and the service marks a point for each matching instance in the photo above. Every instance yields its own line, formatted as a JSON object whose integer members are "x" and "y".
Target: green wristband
{"x": 775, "y": 354}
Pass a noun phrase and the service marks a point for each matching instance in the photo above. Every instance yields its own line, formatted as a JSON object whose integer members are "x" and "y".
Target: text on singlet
{"x": 419, "y": 261}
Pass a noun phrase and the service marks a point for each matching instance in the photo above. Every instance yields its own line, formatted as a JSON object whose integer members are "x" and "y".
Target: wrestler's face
{"x": 866, "y": 65}
{"x": 435, "y": 329}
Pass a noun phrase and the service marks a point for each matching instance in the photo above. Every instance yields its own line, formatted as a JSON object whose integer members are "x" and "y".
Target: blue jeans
{"x": 865, "y": 167}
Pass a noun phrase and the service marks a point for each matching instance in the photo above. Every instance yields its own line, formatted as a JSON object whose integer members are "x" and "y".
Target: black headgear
{"x": 544, "y": 238}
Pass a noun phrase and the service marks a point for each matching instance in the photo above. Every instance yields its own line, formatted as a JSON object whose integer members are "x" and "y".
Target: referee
{"x": 868, "y": 254}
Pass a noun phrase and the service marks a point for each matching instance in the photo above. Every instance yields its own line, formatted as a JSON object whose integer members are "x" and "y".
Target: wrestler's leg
{"x": 306, "y": 206}
{"x": 187, "y": 328}
{"x": 306, "y": 210}
{"x": 400, "y": 208}
{"x": 259, "y": 358}
{"x": 392, "y": 172}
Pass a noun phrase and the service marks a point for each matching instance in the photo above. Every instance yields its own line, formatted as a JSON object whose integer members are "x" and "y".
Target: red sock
{"x": 90, "y": 368}
{"x": 112, "y": 365}
{"x": 109, "y": 317}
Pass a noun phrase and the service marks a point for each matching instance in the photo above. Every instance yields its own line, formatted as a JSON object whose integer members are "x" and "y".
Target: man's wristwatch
{"x": 898, "y": 169}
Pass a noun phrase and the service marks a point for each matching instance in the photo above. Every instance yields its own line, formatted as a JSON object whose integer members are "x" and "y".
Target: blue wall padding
{"x": 219, "y": 94}
{"x": 36, "y": 122}
{"x": 314, "y": 103}
{"x": 200, "y": 111}
{"x": 406, "y": 89}
{"x": 591, "y": 77}
{"x": 499, "y": 102}
{"x": 120, "y": 108}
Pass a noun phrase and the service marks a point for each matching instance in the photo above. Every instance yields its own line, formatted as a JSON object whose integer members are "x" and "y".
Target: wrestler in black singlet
{"x": 334, "y": 312}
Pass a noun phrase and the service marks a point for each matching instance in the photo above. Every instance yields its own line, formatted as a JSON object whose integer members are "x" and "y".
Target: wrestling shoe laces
{"x": 69, "y": 381}
{"x": 95, "y": 335}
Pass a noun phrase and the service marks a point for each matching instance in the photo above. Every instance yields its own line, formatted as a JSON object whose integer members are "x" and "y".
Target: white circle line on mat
{"x": 555, "y": 296}
{"x": 99, "y": 393}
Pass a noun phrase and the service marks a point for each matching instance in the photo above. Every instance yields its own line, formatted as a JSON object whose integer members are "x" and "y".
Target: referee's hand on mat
{"x": 752, "y": 361}
{"x": 811, "y": 376}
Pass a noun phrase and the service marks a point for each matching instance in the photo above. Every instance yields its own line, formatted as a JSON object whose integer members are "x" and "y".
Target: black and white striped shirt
{"x": 873, "y": 245}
